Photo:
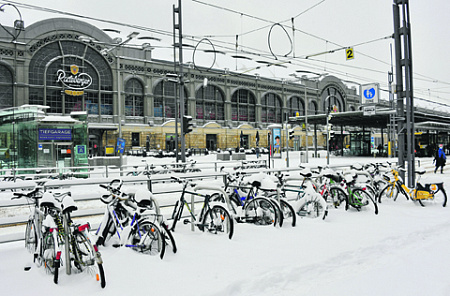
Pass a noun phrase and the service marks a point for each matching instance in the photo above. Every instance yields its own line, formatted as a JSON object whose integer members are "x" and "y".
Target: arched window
{"x": 312, "y": 110}
{"x": 164, "y": 102}
{"x": 6, "y": 87}
{"x": 67, "y": 58}
{"x": 243, "y": 106}
{"x": 332, "y": 99}
{"x": 295, "y": 104}
{"x": 271, "y": 108}
{"x": 134, "y": 98}
{"x": 210, "y": 103}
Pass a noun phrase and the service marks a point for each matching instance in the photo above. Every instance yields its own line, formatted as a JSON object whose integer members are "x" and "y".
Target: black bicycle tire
{"x": 445, "y": 197}
{"x": 367, "y": 194}
{"x": 342, "y": 195}
{"x": 306, "y": 200}
{"x": 56, "y": 275}
{"x": 253, "y": 201}
{"x": 170, "y": 235}
{"x": 76, "y": 247}
{"x": 228, "y": 218}
{"x": 28, "y": 230}
{"x": 46, "y": 243}
{"x": 154, "y": 228}
{"x": 101, "y": 272}
{"x": 284, "y": 203}
{"x": 383, "y": 192}
{"x": 279, "y": 214}
{"x": 176, "y": 214}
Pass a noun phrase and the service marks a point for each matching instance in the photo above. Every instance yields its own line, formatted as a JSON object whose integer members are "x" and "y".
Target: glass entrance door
{"x": 63, "y": 152}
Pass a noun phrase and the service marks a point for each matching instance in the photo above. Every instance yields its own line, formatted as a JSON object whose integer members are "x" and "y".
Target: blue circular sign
{"x": 369, "y": 93}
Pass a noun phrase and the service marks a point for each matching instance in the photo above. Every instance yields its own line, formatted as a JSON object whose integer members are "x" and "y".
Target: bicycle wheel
{"x": 439, "y": 198}
{"x": 83, "y": 252}
{"x": 169, "y": 235}
{"x": 312, "y": 206}
{"x": 260, "y": 211}
{"x": 146, "y": 238}
{"x": 30, "y": 237}
{"x": 336, "y": 196}
{"x": 361, "y": 198}
{"x": 389, "y": 192}
{"x": 49, "y": 255}
{"x": 217, "y": 220}
{"x": 288, "y": 212}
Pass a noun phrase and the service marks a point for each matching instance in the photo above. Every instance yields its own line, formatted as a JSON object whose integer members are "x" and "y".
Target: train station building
{"x": 66, "y": 67}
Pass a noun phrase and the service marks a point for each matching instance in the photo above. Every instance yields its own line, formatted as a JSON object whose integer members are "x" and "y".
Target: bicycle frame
{"x": 419, "y": 192}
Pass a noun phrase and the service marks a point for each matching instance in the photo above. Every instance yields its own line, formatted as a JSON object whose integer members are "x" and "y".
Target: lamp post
{"x": 328, "y": 131}
{"x": 119, "y": 103}
{"x": 18, "y": 27}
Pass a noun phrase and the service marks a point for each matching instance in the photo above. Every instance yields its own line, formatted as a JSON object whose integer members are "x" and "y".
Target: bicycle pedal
{"x": 116, "y": 245}
{"x": 186, "y": 221}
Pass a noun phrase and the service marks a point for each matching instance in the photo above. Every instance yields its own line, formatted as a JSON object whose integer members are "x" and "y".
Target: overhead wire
{"x": 245, "y": 49}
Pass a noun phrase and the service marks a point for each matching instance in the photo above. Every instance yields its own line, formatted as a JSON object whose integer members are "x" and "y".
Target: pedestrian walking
{"x": 440, "y": 159}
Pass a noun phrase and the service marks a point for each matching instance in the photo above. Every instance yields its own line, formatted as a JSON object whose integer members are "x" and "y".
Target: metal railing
{"x": 150, "y": 181}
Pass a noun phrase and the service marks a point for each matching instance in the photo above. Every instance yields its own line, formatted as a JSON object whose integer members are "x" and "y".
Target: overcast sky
{"x": 321, "y": 26}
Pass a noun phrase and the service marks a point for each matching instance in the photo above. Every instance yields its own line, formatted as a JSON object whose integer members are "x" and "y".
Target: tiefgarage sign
{"x": 75, "y": 81}
{"x": 55, "y": 134}
{"x": 370, "y": 93}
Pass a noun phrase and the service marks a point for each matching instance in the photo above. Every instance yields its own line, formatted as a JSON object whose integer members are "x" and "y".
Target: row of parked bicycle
{"x": 135, "y": 220}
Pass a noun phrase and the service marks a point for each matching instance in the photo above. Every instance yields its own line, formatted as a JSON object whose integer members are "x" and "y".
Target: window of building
{"x": 210, "y": 103}
{"x": 61, "y": 55}
{"x": 6, "y": 87}
{"x": 312, "y": 110}
{"x": 165, "y": 94}
{"x": 271, "y": 108}
{"x": 243, "y": 106}
{"x": 296, "y": 105}
{"x": 135, "y": 139}
{"x": 333, "y": 99}
{"x": 134, "y": 98}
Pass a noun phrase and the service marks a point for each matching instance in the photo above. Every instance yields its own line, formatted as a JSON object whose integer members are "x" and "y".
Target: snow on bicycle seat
{"x": 68, "y": 205}
{"x": 357, "y": 166}
{"x": 49, "y": 201}
{"x": 306, "y": 173}
{"x": 143, "y": 198}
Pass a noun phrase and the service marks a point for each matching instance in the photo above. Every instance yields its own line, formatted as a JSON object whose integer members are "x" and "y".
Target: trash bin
{"x": 302, "y": 157}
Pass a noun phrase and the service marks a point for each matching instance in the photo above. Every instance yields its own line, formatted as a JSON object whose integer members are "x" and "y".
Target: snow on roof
{"x": 59, "y": 118}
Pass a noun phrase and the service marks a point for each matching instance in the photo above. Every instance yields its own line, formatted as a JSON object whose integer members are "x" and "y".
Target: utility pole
{"x": 178, "y": 26}
{"x": 404, "y": 91}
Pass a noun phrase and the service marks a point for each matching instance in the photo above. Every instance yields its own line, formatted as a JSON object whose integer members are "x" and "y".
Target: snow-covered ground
{"x": 401, "y": 251}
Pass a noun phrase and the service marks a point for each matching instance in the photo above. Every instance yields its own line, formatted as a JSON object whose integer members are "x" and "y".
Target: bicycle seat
{"x": 68, "y": 205}
{"x": 256, "y": 184}
{"x": 143, "y": 198}
{"x": 349, "y": 178}
{"x": 306, "y": 173}
{"x": 420, "y": 171}
{"x": 106, "y": 198}
{"x": 49, "y": 201}
{"x": 357, "y": 167}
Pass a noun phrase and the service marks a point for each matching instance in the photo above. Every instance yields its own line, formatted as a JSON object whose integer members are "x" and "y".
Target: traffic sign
{"x": 369, "y": 110}
{"x": 349, "y": 53}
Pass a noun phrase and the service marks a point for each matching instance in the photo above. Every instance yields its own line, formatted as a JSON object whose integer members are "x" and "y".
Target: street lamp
{"x": 119, "y": 103}
{"x": 328, "y": 131}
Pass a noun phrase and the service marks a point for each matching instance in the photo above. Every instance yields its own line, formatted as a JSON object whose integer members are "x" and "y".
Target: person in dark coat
{"x": 440, "y": 159}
